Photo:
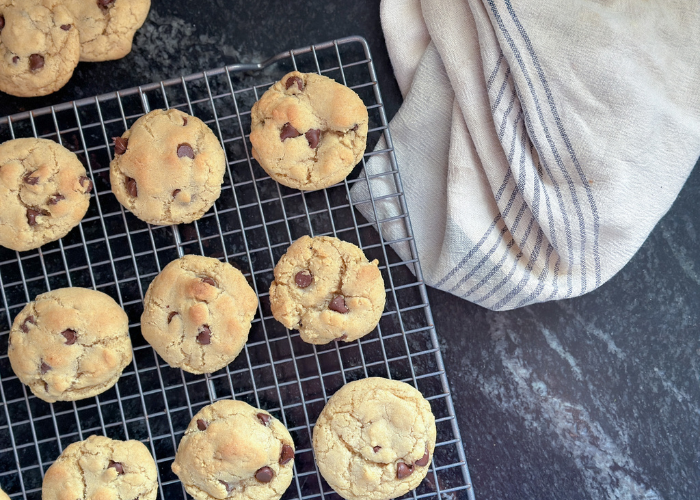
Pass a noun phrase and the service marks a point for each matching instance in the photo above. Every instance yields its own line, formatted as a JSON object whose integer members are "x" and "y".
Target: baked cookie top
{"x": 167, "y": 168}
{"x": 197, "y": 313}
{"x": 308, "y": 131}
{"x": 70, "y": 344}
{"x": 107, "y": 27}
{"x": 102, "y": 468}
{"x": 39, "y": 47}
{"x": 328, "y": 290}
{"x": 44, "y": 192}
{"x": 232, "y": 450}
{"x": 375, "y": 439}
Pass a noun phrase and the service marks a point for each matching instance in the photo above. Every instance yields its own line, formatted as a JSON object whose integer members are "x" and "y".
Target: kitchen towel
{"x": 539, "y": 141}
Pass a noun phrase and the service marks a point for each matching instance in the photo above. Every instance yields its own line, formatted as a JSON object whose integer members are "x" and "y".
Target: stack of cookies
{"x": 42, "y": 41}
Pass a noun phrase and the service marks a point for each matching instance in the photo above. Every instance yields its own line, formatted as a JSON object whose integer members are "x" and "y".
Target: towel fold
{"x": 539, "y": 142}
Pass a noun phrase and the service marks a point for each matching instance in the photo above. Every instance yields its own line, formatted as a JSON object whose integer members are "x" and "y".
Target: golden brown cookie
{"x": 39, "y": 47}
{"x": 374, "y": 439}
{"x": 167, "y": 168}
{"x": 308, "y": 131}
{"x": 70, "y": 344}
{"x": 107, "y": 27}
{"x": 44, "y": 192}
{"x": 328, "y": 290}
{"x": 102, "y": 468}
{"x": 197, "y": 313}
{"x": 232, "y": 450}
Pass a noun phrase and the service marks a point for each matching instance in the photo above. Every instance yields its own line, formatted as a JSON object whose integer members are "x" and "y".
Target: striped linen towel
{"x": 539, "y": 142}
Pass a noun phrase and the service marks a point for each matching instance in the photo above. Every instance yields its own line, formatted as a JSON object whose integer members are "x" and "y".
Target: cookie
{"x": 107, "y": 27}
{"x": 39, "y": 47}
{"x": 197, "y": 313}
{"x": 308, "y": 131}
{"x": 374, "y": 439}
{"x": 70, "y": 344}
{"x": 232, "y": 450}
{"x": 44, "y": 192}
{"x": 102, "y": 468}
{"x": 168, "y": 168}
{"x": 328, "y": 290}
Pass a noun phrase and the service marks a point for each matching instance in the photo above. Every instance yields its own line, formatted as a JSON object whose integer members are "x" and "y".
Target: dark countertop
{"x": 593, "y": 397}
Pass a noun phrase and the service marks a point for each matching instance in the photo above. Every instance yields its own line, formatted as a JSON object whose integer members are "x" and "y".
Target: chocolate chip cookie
{"x": 102, "y": 468}
{"x": 232, "y": 450}
{"x": 39, "y": 46}
{"x": 197, "y": 313}
{"x": 70, "y": 344}
{"x": 44, "y": 192}
{"x": 328, "y": 290}
{"x": 374, "y": 439}
{"x": 308, "y": 131}
{"x": 167, "y": 168}
{"x": 107, "y": 27}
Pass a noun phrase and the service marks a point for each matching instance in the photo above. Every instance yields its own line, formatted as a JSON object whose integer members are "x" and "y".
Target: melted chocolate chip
{"x": 32, "y": 215}
{"x": 376, "y": 448}
{"x": 338, "y": 305}
{"x": 175, "y": 193}
{"x": 29, "y": 320}
{"x": 86, "y": 183}
{"x": 171, "y": 316}
{"x": 202, "y": 424}
{"x": 292, "y": 80}
{"x": 264, "y": 474}
{"x": 229, "y": 487}
{"x": 288, "y": 132}
{"x": 120, "y": 145}
{"x": 342, "y": 337}
{"x": 66, "y": 27}
{"x": 30, "y": 179}
{"x": 44, "y": 368}
{"x": 56, "y": 198}
{"x": 131, "y": 187}
{"x": 70, "y": 335}
{"x": 403, "y": 470}
{"x": 204, "y": 335}
{"x": 36, "y": 62}
{"x": 15, "y": 60}
{"x": 2, "y": 22}
{"x": 424, "y": 459}
{"x": 104, "y": 4}
{"x": 264, "y": 418}
{"x": 303, "y": 279}
{"x": 314, "y": 137}
{"x": 209, "y": 281}
{"x": 117, "y": 466}
{"x": 185, "y": 150}
{"x": 354, "y": 129}
{"x": 46, "y": 386}
{"x": 184, "y": 121}
{"x": 287, "y": 454}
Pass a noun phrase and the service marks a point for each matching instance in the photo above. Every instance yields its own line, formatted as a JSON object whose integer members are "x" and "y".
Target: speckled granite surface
{"x": 594, "y": 397}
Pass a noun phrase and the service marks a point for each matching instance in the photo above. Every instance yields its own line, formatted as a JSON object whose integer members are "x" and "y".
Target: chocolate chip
{"x": 131, "y": 187}
{"x": 32, "y": 215}
{"x": 294, "y": 79}
{"x": 184, "y": 121}
{"x": 15, "y": 60}
{"x": 354, "y": 129}
{"x": 56, "y": 198}
{"x": 31, "y": 180}
{"x": 46, "y": 387}
{"x": 117, "y": 466}
{"x": 288, "y": 132}
{"x": 342, "y": 337}
{"x": 202, "y": 424}
{"x": 36, "y": 62}
{"x": 229, "y": 487}
{"x": 70, "y": 335}
{"x": 24, "y": 327}
{"x": 303, "y": 279}
{"x": 264, "y": 474}
{"x": 120, "y": 145}
{"x": 338, "y": 305}
{"x": 104, "y": 4}
{"x": 86, "y": 183}
{"x": 44, "y": 368}
{"x": 264, "y": 418}
{"x": 209, "y": 281}
{"x": 175, "y": 193}
{"x": 2, "y": 22}
{"x": 376, "y": 448}
{"x": 171, "y": 316}
{"x": 185, "y": 150}
{"x": 424, "y": 460}
{"x": 66, "y": 27}
{"x": 313, "y": 136}
{"x": 204, "y": 335}
{"x": 287, "y": 454}
{"x": 403, "y": 470}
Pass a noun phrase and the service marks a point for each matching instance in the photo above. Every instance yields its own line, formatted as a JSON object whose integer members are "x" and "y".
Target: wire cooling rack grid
{"x": 251, "y": 226}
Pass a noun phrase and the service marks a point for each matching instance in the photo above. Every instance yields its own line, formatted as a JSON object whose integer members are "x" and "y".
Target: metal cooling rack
{"x": 251, "y": 226}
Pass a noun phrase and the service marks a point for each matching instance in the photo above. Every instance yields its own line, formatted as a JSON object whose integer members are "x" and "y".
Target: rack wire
{"x": 250, "y": 226}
